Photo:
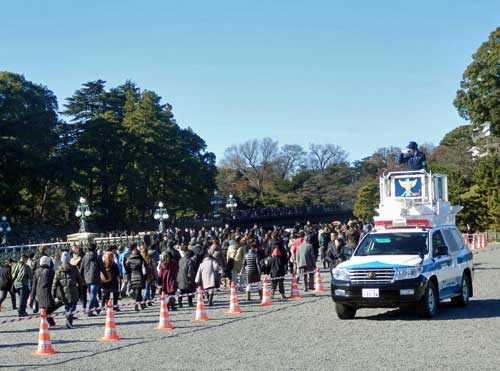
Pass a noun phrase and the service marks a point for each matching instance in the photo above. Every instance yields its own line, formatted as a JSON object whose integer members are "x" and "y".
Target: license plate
{"x": 370, "y": 293}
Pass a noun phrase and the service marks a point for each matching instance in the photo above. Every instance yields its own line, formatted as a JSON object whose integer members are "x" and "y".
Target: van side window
{"x": 437, "y": 240}
{"x": 451, "y": 241}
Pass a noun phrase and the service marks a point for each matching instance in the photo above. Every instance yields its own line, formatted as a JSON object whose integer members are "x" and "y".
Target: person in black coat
{"x": 42, "y": 288}
{"x": 251, "y": 267}
{"x": 186, "y": 277}
{"x": 90, "y": 269}
{"x": 5, "y": 282}
{"x": 135, "y": 263}
{"x": 278, "y": 270}
{"x": 110, "y": 283}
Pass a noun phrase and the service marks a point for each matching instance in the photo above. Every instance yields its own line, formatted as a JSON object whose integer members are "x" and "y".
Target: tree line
{"x": 121, "y": 148}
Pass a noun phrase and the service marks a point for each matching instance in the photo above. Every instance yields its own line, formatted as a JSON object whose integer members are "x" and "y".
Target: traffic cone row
{"x": 44, "y": 345}
{"x": 234, "y": 306}
{"x": 201, "y": 314}
{"x": 318, "y": 283}
{"x": 294, "y": 292}
{"x": 164, "y": 323}
{"x": 110, "y": 333}
{"x": 266, "y": 294}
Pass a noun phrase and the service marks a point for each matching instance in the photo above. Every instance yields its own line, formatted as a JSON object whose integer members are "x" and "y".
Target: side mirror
{"x": 442, "y": 250}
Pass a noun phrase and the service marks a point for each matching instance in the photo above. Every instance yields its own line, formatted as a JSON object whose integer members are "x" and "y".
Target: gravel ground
{"x": 294, "y": 334}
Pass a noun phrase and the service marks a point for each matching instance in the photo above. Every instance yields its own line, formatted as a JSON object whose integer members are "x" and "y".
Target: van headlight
{"x": 340, "y": 274}
{"x": 407, "y": 273}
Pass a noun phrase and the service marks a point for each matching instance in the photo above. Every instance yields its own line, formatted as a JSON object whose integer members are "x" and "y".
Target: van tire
{"x": 463, "y": 299}
{"x": 345, "y": 311}
{"x": 427, "y": 307}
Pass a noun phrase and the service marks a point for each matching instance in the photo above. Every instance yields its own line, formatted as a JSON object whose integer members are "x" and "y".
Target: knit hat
{"x": 65, "y": 257}
{"x": 45, "y": 260}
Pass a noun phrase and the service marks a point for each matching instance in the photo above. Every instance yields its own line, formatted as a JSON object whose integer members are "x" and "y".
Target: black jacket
{"x": 42, "y": 286}
{"x": 90, "y": 268}
{"x": 251, "y": 265}
{"x": 135, "y": 262}
{"x": 187, "y": 273}
{"x": 5, "y": 278}
{"x": 112, "y": 274}
{"x": 417, "y": 161}
{"x": 67, "y": 283}
{"x": 278, "y": 269}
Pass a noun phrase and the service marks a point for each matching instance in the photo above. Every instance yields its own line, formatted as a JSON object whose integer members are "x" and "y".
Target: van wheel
{"x": 427, "y": 307}
{"x": 463, "y": 299}
{"x": 345, "y": 311}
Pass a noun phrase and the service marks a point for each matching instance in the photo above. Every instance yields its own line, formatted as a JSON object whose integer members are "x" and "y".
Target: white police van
{"x": 414, "y": 256}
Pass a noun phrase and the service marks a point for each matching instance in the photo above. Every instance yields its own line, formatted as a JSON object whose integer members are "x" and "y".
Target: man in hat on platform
{"x": 414, "y": 159}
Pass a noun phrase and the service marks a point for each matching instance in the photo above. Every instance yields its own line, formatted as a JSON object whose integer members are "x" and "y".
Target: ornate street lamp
{"x": 161, "y": 215}
{"x": 5, "y": 229}
{"x": 82, "y": 212}
{"x": 231, "y": 204}
{"x": 216, "y": 201}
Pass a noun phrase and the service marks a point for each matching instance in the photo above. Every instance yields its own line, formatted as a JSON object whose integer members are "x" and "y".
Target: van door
{"x": 443, "y": 265}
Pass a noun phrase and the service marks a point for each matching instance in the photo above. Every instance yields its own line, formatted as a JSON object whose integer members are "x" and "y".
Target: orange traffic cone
{"x": 201, "y": 314}
{"x": 110, "y": 326}
{"x": 266, "y": 295}
{"x": 318, "y": 284}
{"x": 164, "y": 323}
{"x": 294, "y": 292}
{"x": 234, "y": 306}
{"x": 44, "y": 345}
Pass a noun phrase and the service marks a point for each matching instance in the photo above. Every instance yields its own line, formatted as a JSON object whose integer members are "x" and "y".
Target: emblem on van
{"x": 372, "y": 275}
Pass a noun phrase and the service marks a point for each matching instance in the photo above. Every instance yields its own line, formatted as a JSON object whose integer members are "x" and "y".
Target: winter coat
{"x": 90, "y": 268}
{"x": 111, "y": 282}
{"x": 135, "y": 263}
{"x": 42, "y": 286}
{"x": 67, "y": 283}
{"x": 5, "y": 278}
{"x": 151, "y": 272}
{"x": 278, "y": 269}
{"x": 306, "y": 256}
{"x": 206, "y": 272}
{"x": 187, "y": 273}
{"x": 167, "y": 278}
{"x": 21, "y": 274}
{"x": 216, "y": 252}
{"x": 236, "y": 252}
{"x": 251, "y": 265}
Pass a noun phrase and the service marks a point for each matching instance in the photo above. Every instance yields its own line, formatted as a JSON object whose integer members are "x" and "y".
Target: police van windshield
{"x": 393, "y": 244}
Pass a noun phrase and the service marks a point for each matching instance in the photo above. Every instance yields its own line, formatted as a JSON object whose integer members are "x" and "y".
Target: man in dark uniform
{"x": 414, "y": 159}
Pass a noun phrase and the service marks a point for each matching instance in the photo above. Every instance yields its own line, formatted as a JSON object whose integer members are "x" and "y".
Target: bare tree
{"x": 322, "y": 156}
{"x": 291, "y": 158}
{"x": 255, "y": 159}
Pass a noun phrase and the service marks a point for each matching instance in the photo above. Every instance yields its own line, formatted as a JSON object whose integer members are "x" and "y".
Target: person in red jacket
{"x": 167, "y": 278}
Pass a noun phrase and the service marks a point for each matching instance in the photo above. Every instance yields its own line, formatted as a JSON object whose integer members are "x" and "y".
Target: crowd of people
{"x": 174, "y": 263}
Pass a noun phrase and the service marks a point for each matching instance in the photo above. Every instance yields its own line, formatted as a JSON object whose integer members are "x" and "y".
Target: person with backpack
{"x": 110, "y": 282}
{"x": 66, "y": 286}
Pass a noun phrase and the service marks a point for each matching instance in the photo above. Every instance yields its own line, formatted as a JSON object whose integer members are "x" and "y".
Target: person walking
{"x": 110, "y": 282}
{"x": 124, "y": 272}
{"x": 151, "y": 276}
{"x": 5, "y": 282}
{"x": 167, "y": 279}
{"x": 278, "y": 270}
{"x": 21, "y": 277}
{"x": 208, "y": 276}
{"x": 135, "y": 263}
{"x": 91, "y": 269}
{"x": 306, "y": 262}
{"x": 251, "y": 269}
{"x": 42, "y": 288}
{"x": 235, "y": 256}
{"x": 67, "y": 286}
{"x": 186, "y": 277}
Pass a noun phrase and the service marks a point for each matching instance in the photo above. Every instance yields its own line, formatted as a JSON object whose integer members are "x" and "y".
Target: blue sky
{"x": 361, "y": 74}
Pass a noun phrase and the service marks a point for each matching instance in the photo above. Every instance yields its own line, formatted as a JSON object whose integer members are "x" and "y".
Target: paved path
{"x": 293, "y": 334}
